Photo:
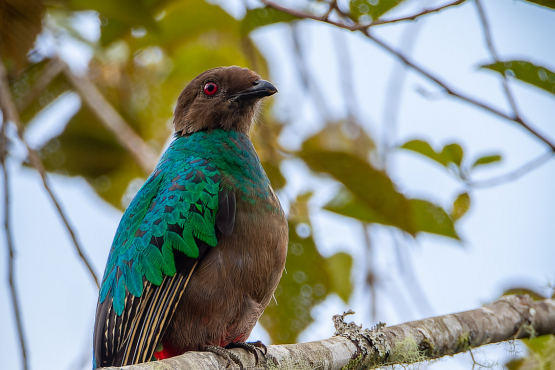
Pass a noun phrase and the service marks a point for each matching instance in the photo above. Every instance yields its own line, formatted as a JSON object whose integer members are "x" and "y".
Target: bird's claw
{"x": 254, "y": 347}
{"x": 228, "y": 355}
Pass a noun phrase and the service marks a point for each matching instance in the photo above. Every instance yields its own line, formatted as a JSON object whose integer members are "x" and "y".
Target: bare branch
{"x": 489, "y": 41}
{"x": 333, "y": 6}
{"x": 144, "y": 155}
{"x": 509, "y": 318}
{"x": 357, "y": 27}
{"x": 9, "y": 245}
{"x": 413, "y": 17}
{"x": 450, "y": 90}
{"x": 511, "y": 176}
{"x": 10, "y": 113}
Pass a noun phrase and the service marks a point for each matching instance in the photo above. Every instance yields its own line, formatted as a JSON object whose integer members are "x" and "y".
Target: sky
{"x": 508, "y": 234}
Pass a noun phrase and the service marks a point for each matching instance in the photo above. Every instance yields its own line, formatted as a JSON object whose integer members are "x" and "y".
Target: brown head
{"x": 224, "y": 97}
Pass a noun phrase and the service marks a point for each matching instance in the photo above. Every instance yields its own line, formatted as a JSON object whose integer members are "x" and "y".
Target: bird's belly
{"x": 231, "y": 286}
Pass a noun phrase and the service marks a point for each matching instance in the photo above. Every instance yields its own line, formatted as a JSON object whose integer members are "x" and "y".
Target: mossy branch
{"x": 353, "y": 347}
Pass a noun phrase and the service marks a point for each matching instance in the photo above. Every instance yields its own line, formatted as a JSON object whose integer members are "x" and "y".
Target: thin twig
{"x": 333, "y": 5}
{"x": 144, "y": 155}
{"x": 449, "y": 90}
{"x": 48, "y": 74}
{"x": 511, "y": 176}
{"x": 356, "y": 27}
{"x": 9, "y": 245}
{"x": 489, "y": 41}
{"x": 413, "y": 17}
{"x": 10, "y": 113}
{"x": 474, "y": 363}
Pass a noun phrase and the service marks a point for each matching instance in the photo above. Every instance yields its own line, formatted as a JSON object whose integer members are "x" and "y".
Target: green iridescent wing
{"x": 173, "y": 216}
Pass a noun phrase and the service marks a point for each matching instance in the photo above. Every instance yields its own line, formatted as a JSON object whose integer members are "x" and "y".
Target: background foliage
{"x": 147, "y": 52}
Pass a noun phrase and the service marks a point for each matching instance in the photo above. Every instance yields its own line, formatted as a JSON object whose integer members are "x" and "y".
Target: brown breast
{"x": 233, "y": 284}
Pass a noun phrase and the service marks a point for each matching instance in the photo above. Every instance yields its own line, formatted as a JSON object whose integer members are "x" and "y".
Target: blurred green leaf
{"x": 265, "y": 140}
{"x": 373, "y": 8}
{"x": 542, "y": 345}
{"x": 344, "y": 203}
{"x": 274, "y": 174}
{"x": 527, "y": 72}
{"x": 461, "y": 205}
{"x": 308, "y": 279}
{"x": 339, "y": 270}
{"x": 30, "y": 101}
{"x": 185, "y": 22}
{"x": 487, "y": 160}
{"x": 546, "y": 3}
{"x": 200, "y": 55}
{"x": 424, "y": 148}
{"x": 451, "y": 153}
{"x": 260, "y": 17}
{"x": 129, "y": 12}
{"x": 58, "y": 87}
{"x": 433, "y": 219}
{"x": 536, "y": 296}
{"x": 426, "y": 216}
{"x": 369, "y": 185}
{"x": 87, "y": 149}
{"x": 541, "y": 354}
{"x": 21, "y": 23}
{"x": 112, "y": 31}
{"x": 344, "y": 137}
{"x": 514, "y": 364}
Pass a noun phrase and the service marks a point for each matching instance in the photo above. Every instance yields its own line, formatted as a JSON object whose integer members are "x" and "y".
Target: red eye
{"x": 210, "y": 88}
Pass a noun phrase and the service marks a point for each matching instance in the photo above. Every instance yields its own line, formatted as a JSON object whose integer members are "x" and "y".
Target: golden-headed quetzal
{"x": 201, "y": 248}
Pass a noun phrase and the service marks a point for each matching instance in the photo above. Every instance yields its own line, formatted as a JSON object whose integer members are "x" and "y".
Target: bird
{"x": 201, "y": 248}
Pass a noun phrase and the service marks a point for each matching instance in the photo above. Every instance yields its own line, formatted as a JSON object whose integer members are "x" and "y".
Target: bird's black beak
{"x": 261, "y": 89}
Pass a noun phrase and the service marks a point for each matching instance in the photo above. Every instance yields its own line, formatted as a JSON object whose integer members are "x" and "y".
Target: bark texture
{"x": 353, "y": 347}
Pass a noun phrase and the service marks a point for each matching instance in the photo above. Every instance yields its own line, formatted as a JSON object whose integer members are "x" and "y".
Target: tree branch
{"x": 450, "y": 90}
{"x": 413, "y": 17}
{"x": 509, "y": 318}
{"x": 9, "y": 245}
{"x": 357, "y": 27}
{"x": 144, "y": 155}
{"x": 10, "y": 114}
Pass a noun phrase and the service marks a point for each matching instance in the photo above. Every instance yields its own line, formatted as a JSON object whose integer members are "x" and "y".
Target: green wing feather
{"x": 179, "y": 195}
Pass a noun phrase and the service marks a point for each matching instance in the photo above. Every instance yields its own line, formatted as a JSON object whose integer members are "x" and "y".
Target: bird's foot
{"x": 228, "y": 355}
{"x": 254, "y": 348}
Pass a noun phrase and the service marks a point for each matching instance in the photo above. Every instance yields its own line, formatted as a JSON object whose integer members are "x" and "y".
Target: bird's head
{"x": 220, "y": 98}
